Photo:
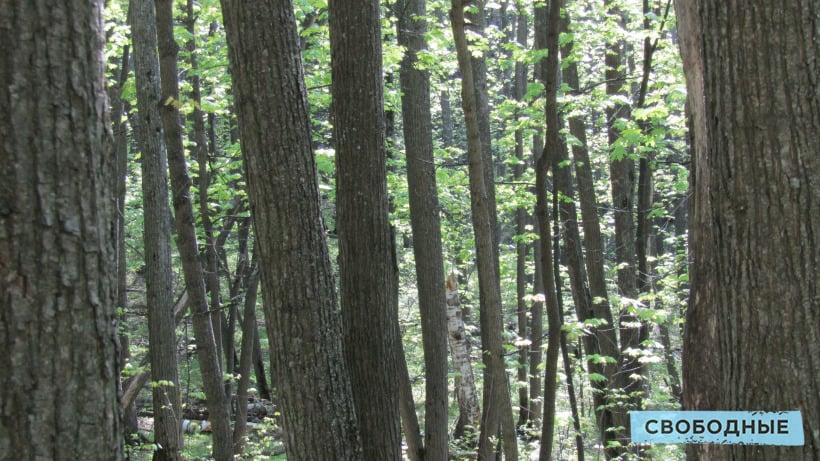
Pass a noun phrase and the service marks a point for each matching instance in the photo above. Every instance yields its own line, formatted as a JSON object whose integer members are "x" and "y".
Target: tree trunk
{"x": 302, "y": 316}
{"x": 468, "y": 411}
{"x": 497, "y": 411}
{"x": 57, "y": 227}
{"x": 367, "y": 265}
{"x": 552, "y": 146}
{"x": 120, "y": 129}
{"x": 622, "y": 179}
{"x": 522, "y": 220}
{"x": 407, "y": 409}
{"x": 157, "y": 235}
{"x": 199, "y": 151}
{"x": 207, "y": 350}
{"x": 425, "y": 223}
{"x": 752, "y": 338}
{"x": 602, "y": 340}
{"x": 248, "y": 336}
{"x": 446, "y": 119}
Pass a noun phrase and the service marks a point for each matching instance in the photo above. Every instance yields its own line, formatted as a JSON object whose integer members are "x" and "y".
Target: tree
{"x": 57, "y": 228}
{"x": 207, "y": 350}
{"x": 552, "y": 145}
{"x": 755, "y": 241}
{"x": 601, "y": 340}
{"x": 497, "y": 404}
{"x": 468, "y": 410}
{"x": 157, "y": 236}
{"x": 425, "y": 223}
{"x": 628, "y": 384}
{"x": 368, "y": 272}
{"x": 301, "y": 312}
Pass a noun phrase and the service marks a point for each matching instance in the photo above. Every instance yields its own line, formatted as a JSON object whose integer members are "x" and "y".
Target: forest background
{"x": 504, "y": 287}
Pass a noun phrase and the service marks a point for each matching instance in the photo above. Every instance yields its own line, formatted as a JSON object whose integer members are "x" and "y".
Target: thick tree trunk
{"x": 207, "y": 350}
{"x": 752, "y": 338}
{"x": 302, "y": 316}
{"x": 367, "y": 262}
{"x": 57, "y": 228}
{"x": 157, "y": 235}
{"x": 497, "y": 411}
{"x": 425, "y": 223}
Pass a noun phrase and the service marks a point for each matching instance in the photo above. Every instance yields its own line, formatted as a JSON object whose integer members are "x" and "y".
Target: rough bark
{"x": 497, "y": 408}
{"x": 57, "y": 229}
{"x": 425, "y": 224}
{"x": 207, "y": 350}
{"x": 752, "y": 338}
{"x": 367, "y": 266}
{"x": 302, "y": 315}
{"x": 157, "y": 236}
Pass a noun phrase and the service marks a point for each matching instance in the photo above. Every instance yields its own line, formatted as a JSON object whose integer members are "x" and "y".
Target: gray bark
{"x": 157, "y": 236}
{"x": 57, "y": 237}
{"x": 301, "y": 312}
{"x": 497, "y": 408}
{"x": 367, "y": 262}
{"x": 425, "y": 224}
{"x": 752, "y": 337}
{"x": 207, "y": 350}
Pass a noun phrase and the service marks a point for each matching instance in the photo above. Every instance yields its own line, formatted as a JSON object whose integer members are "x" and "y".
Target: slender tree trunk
{"x": 199, "y": 151}
{"x": 157, "y": 235}
{"x": 558, "y": 215}
{"x": 425, "y": 223}
{"x": 664, "y": 336}
{"x": 752, "y": 337}
{"x": 537, "y": 307}
{"x": 536, "y": 357}
{"x": 468, "y": 410}
{"x": 497, "y": 411}
{"x": 207, "y": 351}
{"x": 552, "y": 147}
{"x": 120, "y": 129}
{"x": 407, "y": 410}
{"x": 58, "y": 330}
{"x": 302, "y": 315}
{"x": 248, "y": 336}
{"x": 446, "y": 119}
{"x": 367, "y": 264}
{"x": 602, "y": 340}
{"x": 622, "y": 179}
{"x": 522, "y": 220}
